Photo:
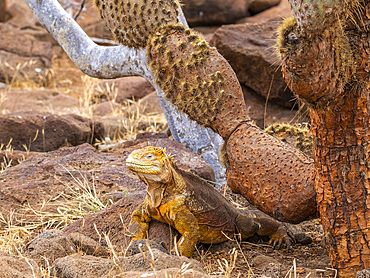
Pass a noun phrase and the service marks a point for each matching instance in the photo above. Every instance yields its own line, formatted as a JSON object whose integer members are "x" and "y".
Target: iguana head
{"x": 151, "y": 164}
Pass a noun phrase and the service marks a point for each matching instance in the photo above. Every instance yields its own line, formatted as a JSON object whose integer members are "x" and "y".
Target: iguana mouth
{"x": 142, "y": 167}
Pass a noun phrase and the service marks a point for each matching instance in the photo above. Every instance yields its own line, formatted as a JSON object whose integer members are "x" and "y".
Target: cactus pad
{"x": 195, "y": 77}
{"x": 132, "y": 21}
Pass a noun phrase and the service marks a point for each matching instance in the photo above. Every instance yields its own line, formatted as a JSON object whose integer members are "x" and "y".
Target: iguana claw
{"x": 280, "y": 237}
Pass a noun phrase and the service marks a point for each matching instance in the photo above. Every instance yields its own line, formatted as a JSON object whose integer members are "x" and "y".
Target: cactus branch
{"x": 119, "y": 61}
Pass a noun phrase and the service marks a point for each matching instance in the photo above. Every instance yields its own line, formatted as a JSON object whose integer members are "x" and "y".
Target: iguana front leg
{"x": 187, "y": 225}
{"x": 139, "y": 224}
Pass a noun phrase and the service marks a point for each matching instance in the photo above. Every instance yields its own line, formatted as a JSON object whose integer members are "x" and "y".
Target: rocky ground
{"x": 66, "y": 194}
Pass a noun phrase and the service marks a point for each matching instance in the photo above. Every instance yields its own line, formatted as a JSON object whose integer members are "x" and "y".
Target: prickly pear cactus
{"x": 295, "y": 135}
{"x": 133, "y": 21}
{"x": 316, "y": 14}
{"x": 303, "y": 44}
{"x": 196, "y": 78}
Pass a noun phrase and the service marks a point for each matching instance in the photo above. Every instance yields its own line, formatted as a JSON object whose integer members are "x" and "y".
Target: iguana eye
{"x": 149, "y": 156}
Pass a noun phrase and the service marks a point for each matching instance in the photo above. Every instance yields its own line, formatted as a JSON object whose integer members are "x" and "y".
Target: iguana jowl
{"x": 190, "y": 205}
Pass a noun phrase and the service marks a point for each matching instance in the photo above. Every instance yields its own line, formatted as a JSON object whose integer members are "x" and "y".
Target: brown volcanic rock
{"x": 47, "y": 132}
{"x": 278, "y": 12}
{"x": 264, "y": 115}
{"x": 131, "y": 87}
{"x": 21, "y": 14}
{"x": 257, "y": 6}
{"x": 107, "y": 108}
{"x": 18, "y": 267}
{"x": 45, "y": 175}
{"x": 249, "y": 48}
{"x": 49, "y": 246}
{"x": 88, "y": 245}
{"x": 18, "y": 49}
{"x": 92, "y": 23}
{"x": 83, "y": 266}
{"x": 98, "y": 30}
{"x": 127, "y": 267}
{"x": 148, "y": 105}
{"x": 54, "y": 244}
{"x": 13, "y": 157}
{"x": 213, "y": 12}
{"x": 41, "y": 100}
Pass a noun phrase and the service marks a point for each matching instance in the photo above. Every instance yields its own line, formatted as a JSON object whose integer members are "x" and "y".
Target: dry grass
{"x": 130, "y": 116}
{"x": 20, "y": 79}
{"x": 59, "y": 212}
{"x": 7, "y": 160}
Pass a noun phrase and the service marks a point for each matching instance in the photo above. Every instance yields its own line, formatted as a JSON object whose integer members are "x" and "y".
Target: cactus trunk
{"x": 326, "y": 62}
{"x": 342, "y": 180}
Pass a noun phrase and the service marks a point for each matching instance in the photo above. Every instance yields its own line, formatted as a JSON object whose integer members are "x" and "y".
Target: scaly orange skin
{"x": 190, "y": 205}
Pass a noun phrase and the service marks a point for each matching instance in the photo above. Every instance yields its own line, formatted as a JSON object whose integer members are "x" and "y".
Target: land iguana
{"x": 191, "y": 205}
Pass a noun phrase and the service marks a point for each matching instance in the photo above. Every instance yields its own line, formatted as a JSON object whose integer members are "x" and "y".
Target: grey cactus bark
{"x": 119, "y": 61}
